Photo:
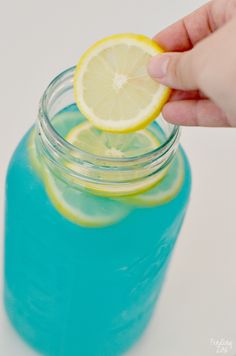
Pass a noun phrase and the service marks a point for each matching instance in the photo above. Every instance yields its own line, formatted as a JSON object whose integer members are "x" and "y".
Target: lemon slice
{"x": 105, "y": 144}
{"x": 62, "y": 122}
{"x": 165, "y": 190}
{"x": 65, "y": 120}
{"x": 81, "y": 207}
{"x": 32, "y": 153}
{"x": 112, "y": 86}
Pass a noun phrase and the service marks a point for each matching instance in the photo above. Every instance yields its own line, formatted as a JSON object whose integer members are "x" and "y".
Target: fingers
{"x": 206, "y": 65}
{"x": 178, "y": 95}
{"x": 195, "y": 113}
{"x": 175, "y": 70}
{"x": 209, "y": 67}
{"x": 184, "y": 34}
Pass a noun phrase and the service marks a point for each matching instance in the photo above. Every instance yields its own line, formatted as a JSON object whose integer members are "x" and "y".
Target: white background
{"x": 38, "y": 39}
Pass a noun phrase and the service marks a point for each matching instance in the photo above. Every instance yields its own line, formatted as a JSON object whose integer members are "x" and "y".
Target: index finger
{"x": 184, "y": 34}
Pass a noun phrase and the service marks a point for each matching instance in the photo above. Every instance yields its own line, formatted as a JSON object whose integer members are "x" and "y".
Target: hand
{"x": 202, "y": 68}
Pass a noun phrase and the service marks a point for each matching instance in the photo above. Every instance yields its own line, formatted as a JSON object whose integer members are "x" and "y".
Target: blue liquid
{"x": 77, "y": 291}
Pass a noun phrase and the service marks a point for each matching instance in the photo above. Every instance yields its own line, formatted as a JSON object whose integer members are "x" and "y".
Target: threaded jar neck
{"x": 117, "y": 176}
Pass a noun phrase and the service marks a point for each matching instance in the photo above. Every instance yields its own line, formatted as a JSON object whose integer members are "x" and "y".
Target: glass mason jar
{"x": 86, "y": 252}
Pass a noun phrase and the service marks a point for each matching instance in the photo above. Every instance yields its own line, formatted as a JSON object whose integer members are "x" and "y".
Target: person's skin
{"x": 200, "y": 65}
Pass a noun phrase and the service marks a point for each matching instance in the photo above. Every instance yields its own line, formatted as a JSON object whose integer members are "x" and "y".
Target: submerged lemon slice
{"x": 104, "y": 144}
{"x": 112, "y": 86}
{"x": 81, "y": 207}
{"x": 165, "y": 190}
{"x": 110, "y": 145}
{"x": 32, "y": 153}
{"x": 62, "y": 122}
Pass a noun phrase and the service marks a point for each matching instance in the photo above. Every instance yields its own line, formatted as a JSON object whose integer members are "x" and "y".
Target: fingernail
{"x": 158, "y": 66}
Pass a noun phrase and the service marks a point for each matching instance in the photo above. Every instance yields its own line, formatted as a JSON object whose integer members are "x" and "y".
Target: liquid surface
{"x": 77, "y": 290}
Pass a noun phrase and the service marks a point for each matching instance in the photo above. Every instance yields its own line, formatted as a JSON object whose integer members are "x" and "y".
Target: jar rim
{"x": 45, "y": 123}
{"x": 113, "y": 175}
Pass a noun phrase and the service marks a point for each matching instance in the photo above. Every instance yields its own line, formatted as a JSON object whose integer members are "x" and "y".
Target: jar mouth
{"x": 115, "y": 176}
{"x": 48, "y": 100}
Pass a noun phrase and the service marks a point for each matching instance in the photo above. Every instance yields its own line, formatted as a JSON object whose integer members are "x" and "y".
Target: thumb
{"x": 175, "y": 70}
